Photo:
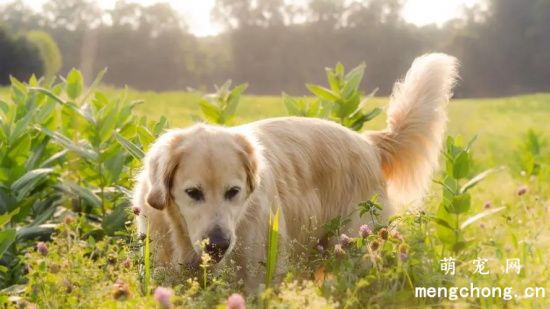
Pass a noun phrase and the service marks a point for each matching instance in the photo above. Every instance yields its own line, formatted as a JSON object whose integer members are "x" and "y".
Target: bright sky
{"x": 197, "y": 12}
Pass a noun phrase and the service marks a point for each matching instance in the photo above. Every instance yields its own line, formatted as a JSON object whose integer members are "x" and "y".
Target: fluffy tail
{"x": 410, "y": 146}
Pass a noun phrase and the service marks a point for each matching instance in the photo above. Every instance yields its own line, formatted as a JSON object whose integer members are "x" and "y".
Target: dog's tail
{"x": 410, "y": 145}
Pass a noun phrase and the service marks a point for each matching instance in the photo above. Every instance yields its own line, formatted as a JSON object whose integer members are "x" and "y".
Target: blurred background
{"x": 276, "y": 45}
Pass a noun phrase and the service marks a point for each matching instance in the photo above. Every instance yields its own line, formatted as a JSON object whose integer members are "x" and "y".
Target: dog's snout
{"x": 218, "y": 244}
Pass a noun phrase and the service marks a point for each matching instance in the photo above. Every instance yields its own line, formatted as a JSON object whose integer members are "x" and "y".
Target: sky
{"x": 197, "y": 12}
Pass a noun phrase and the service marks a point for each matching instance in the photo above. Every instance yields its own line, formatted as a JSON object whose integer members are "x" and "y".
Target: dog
{"x": 222, "y": 183}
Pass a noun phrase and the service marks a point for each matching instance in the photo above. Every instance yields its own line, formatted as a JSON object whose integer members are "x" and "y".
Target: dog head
{"x": 207, "y": 173}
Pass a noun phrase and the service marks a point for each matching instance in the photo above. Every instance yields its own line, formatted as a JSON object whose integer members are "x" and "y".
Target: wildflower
{"x": 136, "y": 210}
{"x": 365, "y": 231}
{"x": 487, "y": 204}
{"x": 522, "y": 190}
{"x": 120, "y": 290}
{"x": 320, "y": 248}
{"x": 345, "y": 240}
{"x": 395, "y": 234}
{"x": 383, "y": 233}
{"x": 374, "y": 245}
{"x": 42, "y": 248}
{"x": 338, "y": 250}
{"x": 236, "y": 301}
{"x": 68, "y": 219}
{"x": 403, "y": 248}
{"x": 162, "y": 296}
{"x": 127, "y": 263}
{"x": 54, "y": 268}
{"x": 68, "y": 286}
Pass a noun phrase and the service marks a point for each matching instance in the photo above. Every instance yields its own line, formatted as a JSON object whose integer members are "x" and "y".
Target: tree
{"x": 49, "y": 52}
{"x": 18, "y": 58}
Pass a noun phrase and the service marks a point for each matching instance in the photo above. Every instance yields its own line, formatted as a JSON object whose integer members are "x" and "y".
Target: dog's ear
{"x": 248, "y": 153}
{"x": 161, "y": 164}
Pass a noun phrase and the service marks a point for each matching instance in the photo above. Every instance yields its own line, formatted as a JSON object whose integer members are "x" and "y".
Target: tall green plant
{"x": 342, "y": 102}
{"x": 27, "y": 176}
{"x": 103, "y": 137}
{"x": 221, "y": 106}
{"x": 456, "y": 201}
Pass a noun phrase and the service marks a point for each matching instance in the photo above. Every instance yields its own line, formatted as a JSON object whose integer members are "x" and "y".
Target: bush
{"x": 49, "y": 52}
{"x": 19, "y": 58}
{"x": 49, "y": 131}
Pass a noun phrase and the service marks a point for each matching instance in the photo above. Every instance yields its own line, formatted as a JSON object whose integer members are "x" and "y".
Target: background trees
{"x": 278, "y": 46}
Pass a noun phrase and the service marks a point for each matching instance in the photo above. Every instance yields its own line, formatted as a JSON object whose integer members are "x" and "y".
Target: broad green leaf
{"x": 43, "y": 231}
{"x": 291, "y": 105}
{"x": 132, "y": 149}
{"x": 84, "y": 193}
{"x": 6, "y": 217}
{"x": 210, "y": 111}
{"x": 7, "y": 237}
{"x": 115, "y": 221}
{"x": 459, "y": 204}
{"x": 461, "y": 165}
{"x": 81, "y": 150}
{"x": 353, "y": 80}
{"x": 322, "y": 92}
{"x": 74, "y": 84}
{"x": 29, "y": 181}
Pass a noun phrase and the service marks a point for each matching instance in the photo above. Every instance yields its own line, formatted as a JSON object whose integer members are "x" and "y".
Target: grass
{"x": 85, "y": 273}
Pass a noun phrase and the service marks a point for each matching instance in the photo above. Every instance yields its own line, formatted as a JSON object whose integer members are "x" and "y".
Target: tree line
{"x": 278, "y": 46}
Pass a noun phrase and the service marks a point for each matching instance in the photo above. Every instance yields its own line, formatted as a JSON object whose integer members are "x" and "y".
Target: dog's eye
{"x": 232, "y": 192}
{"x": 195, "y": 193}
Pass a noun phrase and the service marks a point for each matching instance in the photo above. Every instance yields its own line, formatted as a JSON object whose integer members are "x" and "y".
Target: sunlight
{"x": 198, "y": 13}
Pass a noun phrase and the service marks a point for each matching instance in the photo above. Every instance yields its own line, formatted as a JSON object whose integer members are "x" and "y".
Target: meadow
{"x": 93, "y": 259}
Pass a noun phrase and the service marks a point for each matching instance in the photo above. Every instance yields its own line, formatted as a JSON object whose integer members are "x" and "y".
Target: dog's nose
{"x": 218, "y": 244}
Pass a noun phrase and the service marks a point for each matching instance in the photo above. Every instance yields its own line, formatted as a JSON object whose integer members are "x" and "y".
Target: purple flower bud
{"x": 345, "y": 240}
{"x": 162, "y": 296}
{"x": 136, "y": 210}
{"x": 487, "y": 204}
{"x": 42, "y": 248}
{"x": 320, "y": 248}
{"x": 365, "y": 231}
{"x": 522, "y": 190}
{"x": 236, "y": 301}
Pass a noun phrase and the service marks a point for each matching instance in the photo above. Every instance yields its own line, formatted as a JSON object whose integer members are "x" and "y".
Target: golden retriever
{"x": 220, "y": 183}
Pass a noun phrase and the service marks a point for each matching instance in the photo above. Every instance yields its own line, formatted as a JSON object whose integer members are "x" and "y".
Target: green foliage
{"x": 49, "y": 131}
{"x": 530, "y": 154}
{"x": 221, "y": 107}
{"x": 49, "y": 52}
{"x": 19, "y": 57}
{"x": 272, "y": 247}
{"x": 456, "y": 199}
{"x": 341, "y": 102}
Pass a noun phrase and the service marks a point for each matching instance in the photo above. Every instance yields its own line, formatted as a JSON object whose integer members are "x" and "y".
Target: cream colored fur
{"x": 312, "y": 170}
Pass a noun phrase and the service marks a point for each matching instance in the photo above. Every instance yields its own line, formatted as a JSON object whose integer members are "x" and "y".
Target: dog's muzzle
{"x": 218, "y": 244}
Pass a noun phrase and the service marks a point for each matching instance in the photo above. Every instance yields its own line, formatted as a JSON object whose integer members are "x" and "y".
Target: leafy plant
{"x": 530, "y": 153}
{"x": 341, "y": 102}
{"x": 220, "y": 107}
{"x": 456, "y": 201}
{"x": 103, "y": 138}
{"x": 27, "y": 177}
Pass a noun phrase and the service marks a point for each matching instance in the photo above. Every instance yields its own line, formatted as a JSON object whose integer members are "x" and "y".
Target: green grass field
{"x": 499, "y": 123}
{"x": 519, "y": 231}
